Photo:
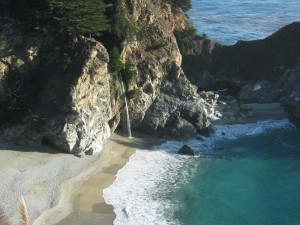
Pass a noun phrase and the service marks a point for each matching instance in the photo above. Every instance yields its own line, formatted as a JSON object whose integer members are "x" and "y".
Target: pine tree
{"x": 79, "y": 17}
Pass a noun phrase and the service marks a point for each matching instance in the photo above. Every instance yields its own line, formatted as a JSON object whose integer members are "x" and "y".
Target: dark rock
{"x": 186, "y": 150}
{"x": 295, "y": 116}
{"x": 206, "y": 132}
{"x": 260, "y": 92}
{"x": 246, "y": 111}
{"x": 260, "y": 71}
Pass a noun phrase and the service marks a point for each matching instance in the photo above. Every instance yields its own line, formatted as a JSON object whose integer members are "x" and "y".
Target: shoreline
{"x": 56, "y": 185}
{"x": 83, "y": 202}
{"x": 80, "y": 199}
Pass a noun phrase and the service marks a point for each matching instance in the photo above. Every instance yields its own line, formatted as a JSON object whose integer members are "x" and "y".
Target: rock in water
{"x": 246, "y": 111}
{"x": 186, "y": 150}
{"x": 295, "y": 116}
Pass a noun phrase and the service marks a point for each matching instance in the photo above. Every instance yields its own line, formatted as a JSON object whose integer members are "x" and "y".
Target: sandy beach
{"x": 60, "y": 188}
{"x": 63, "y": 189}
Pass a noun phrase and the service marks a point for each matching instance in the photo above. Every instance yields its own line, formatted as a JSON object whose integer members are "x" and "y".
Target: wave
{"x": 238, "y": 130}
{"x": 142, "y": 191}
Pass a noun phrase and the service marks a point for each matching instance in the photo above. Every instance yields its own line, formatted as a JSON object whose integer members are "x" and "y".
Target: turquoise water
{"x": 249, "y": 176}
{"x": 232, "y": 20}
{"x": 252, "y": 180}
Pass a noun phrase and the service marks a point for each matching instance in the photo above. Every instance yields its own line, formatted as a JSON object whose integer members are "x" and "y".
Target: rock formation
{"x": 186, "y": 150}
{"x": 58, "y": 91}
{"x": 59, "y": 95}
{"x": 261, "y": 71}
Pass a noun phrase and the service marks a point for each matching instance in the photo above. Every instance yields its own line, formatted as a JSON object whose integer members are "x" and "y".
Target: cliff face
{"x": 55, "y": 91}
{"x": 261, "y": 71}
{"x": 58, "y": 91}
{"x": 165, "y": 103}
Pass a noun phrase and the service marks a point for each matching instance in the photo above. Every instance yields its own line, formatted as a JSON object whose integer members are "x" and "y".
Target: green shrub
{"x": 115, "y": 64}
{"x": 185, "y": 39}
{"x": 133, "y": 93}
{"x": 128, "y": 73}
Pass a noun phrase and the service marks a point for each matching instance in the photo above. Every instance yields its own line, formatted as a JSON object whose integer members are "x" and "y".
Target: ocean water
{"x": 232, "y": 20}
{"x": 249, "y": 176}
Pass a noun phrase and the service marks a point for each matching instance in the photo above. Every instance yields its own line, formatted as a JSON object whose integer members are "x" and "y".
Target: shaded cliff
{"x": 261, "y": 71}
{"x": 246, "y": 60}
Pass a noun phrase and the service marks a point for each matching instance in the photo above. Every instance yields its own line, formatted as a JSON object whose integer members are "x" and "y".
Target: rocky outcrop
{"x": 58, "y": 91}
{"x": 186, "y": 150}
{"x": 178, "y": 111}
{"x": 261, "y": 71}
{"x": 64, "y": 97}
{"x": 164, "y": 101}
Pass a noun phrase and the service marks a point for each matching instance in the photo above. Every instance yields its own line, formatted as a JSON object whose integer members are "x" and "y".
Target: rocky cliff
{"x": 58, "y": 91}
{"x": 165, "y": 103}
{"x": 54, "y": 91}
{"x": 261, "y": 71}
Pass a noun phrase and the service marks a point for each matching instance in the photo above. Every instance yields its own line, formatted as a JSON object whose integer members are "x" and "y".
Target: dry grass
{"x": 24, "y": 212}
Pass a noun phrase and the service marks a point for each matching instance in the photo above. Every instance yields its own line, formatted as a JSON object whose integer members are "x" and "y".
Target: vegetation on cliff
{"x": 74, "y": 17}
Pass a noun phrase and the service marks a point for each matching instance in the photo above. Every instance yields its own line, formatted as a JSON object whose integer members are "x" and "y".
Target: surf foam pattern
{"x": 140, "y": 193}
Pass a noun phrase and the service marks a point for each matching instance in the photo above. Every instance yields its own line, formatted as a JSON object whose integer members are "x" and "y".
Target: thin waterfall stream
{"x": 126, "y": 110}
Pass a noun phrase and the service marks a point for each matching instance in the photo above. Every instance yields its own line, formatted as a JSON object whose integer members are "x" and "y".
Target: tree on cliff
{"x": 74, "y": 17}
{"x": 78, "y": 17}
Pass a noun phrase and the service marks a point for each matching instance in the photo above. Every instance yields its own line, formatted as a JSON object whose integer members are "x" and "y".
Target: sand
{"x": 60, "y": 188}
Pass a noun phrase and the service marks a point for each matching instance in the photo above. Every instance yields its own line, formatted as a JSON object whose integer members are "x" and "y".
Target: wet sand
{"x": 85, "y": 199}
{"x": 60, "y": 188}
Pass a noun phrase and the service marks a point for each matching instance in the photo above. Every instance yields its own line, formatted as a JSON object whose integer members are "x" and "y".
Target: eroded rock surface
{"x": 64, "y": 96}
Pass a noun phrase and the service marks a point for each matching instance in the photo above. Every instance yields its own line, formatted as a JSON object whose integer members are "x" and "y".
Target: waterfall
{"x": 126, "y": 110}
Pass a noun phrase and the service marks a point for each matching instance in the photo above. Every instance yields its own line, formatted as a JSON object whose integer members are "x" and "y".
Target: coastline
{"x": 87, "y": 208}
{"x": 77, "y": 196}
{"x": 60, "y": 188}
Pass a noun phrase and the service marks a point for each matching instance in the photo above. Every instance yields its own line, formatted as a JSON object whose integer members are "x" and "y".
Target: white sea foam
{"x": 141, "y": 193}
{"x": 239, "y": 130}
{"x": 142, "y": 185}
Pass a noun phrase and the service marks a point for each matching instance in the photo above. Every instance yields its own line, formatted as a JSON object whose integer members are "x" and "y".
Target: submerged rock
{"x": 186, "y": 150}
